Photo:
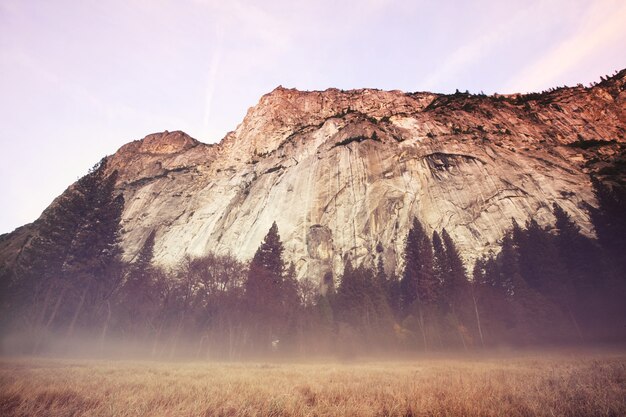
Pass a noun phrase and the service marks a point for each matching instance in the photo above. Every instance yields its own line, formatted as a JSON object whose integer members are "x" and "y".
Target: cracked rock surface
{"x": 344, "y": 171}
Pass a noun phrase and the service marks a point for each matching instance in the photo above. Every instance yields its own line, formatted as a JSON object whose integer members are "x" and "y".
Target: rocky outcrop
{"x": 342, "y": 172}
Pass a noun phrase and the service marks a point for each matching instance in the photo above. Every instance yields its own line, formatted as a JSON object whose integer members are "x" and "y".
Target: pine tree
{"x": 142, "y": 265}
{"x": 136, "y": 296}
{"x": 362, "y": 305}
{"x": 455, "y": 287}
{"x": 389, "y": 286}
{"x": 475, "y": 288}
{"x": 418, "y": 281}
{"x": 75, "y": 249}
{"x": 456, "y": 274}
{"x": 583, "y": 265}
{"x": 289, "y": 290}
{"x": 509, "y": 277}
{"x": 291, "y": 302}
{"x": 609, "y": 221}
{"x": 492, "y": 306}
{"x": 269, "y": 255}
{"x": 419, "y": 284}
{"x": 41, "y": 284}
{"x": 263, "y": 290}
{"x": 350, "y": 295}
{"x": 94, "y": 256}
{"x": 540, "y": 289}
{"x": 84, "y": 249}
{"x": 540, "y": 263}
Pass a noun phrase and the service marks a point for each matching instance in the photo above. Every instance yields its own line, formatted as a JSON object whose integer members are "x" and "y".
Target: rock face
{"x": 344, "y": 171}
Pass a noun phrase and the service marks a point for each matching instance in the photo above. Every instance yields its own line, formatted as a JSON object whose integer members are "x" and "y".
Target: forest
{"x": 548, "y": 286}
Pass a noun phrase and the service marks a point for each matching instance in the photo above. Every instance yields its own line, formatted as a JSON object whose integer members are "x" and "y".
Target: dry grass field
{"x": 574, "y": 384}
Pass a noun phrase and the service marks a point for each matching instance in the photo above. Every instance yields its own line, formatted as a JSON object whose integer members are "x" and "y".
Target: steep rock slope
{"x": 342, "y": 172}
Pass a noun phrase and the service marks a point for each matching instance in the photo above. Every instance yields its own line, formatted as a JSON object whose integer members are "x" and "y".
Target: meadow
{"x": 513, "y": 384}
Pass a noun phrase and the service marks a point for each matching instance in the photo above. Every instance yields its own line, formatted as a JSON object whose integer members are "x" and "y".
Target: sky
{"x": 78, "y": 79}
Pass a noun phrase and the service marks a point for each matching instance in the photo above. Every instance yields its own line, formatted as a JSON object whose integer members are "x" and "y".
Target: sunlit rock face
{"x": 342, "y": 172}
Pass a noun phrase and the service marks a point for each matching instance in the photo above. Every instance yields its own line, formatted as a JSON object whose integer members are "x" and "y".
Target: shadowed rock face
{"x": 343, "y": 171}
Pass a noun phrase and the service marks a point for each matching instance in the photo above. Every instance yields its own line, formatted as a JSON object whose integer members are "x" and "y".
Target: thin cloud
{"x": 71, "y": 89}
{"x": 603, "y": 26}
{"x": 377, "y": 5}
{"x": 107, "y": 109}
{"x": 264, "y": 25}
{"x": 473, "y": 51}
{"x": 243, "y": 16}
{"x": 212, "y": 78}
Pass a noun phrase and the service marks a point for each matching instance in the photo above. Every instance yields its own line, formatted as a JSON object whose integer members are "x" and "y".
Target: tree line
{"x": 547, "y": 285}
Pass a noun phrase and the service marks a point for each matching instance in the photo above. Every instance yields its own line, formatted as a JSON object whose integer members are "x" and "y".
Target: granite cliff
{"x": 343, "y": 173}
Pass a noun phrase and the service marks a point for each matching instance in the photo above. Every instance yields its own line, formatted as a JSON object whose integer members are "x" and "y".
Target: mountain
{"x": 343, "y": 173}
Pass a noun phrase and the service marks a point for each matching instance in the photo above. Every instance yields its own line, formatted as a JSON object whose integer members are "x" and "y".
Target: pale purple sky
{"x": 78, "y": 79}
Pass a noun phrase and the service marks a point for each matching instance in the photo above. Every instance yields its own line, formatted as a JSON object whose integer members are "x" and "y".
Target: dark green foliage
{"x": 418, "y": 283}
{"x": 491, "y": 301}
{"x": 363, "y": 308}
{"x": 95, "y": 244}
{"x": 268, "y": 262}
{"x": 584, "y": 271}
{"x": 609, "y": 220}
{"x": 419, "y": 286}
{"x": 547, "y": 286}
{"x": 141, "y": 267}
{"x": 454, "y": 282}
{"x": 456, "y": 292}
{"x": 540, "y": 263}
{"x": 265, "y": 282}
{"x": 608, "y": 289}
{"x": 138, "y": 295}
{"x": 389, "y": 285}
{"x": 272, "y": 303}
{"x": 580, "y": 255}
{"x": 93, "y": 261}
{"x": 7, "y": 298}
{"x": 71, "y": 266}
{"x": 289, "y": 291}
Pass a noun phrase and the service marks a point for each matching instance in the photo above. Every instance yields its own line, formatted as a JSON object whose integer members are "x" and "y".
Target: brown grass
{"x": 528, "y": 385}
